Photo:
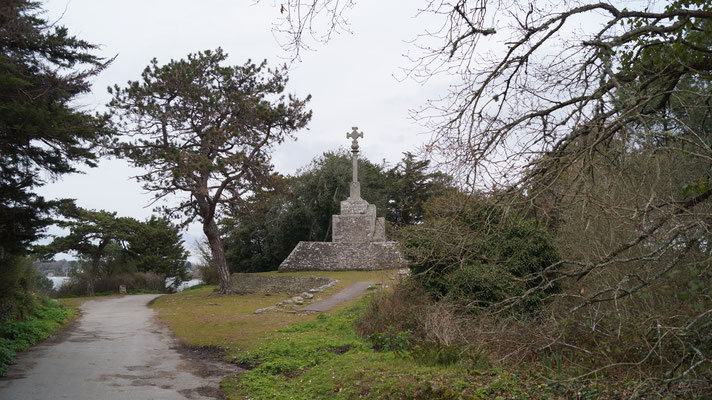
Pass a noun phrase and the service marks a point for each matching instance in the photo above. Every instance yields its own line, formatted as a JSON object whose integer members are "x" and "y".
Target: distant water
{"x": 184, "y": 285}
{"x": 58, "y": 281}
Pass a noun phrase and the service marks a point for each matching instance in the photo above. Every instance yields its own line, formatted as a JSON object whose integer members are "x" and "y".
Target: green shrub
{"x": 7, "y": 355}
{"x": 398, "y": 309}
{"x": 436, "y": 354}
{"x": 19, "y": 282}
{"x": 476, "y": 254}
{"x": 208, "y": 274}
{"x": 20, "y": 335}
{"x": 392, "y": 340}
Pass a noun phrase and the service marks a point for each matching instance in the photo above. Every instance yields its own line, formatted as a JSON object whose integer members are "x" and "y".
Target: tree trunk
{"x": 90, "y": 282}
{"x": 94, "y": 271}
{"x": 216, "y": 247}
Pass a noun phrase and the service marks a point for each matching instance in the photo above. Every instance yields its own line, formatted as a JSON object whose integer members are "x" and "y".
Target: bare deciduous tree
{"x": 595, "y": 118}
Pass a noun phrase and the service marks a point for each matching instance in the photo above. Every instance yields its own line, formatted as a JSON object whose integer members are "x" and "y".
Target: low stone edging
{"x": 296, "y": 301}
{"x": 284, "y": 284}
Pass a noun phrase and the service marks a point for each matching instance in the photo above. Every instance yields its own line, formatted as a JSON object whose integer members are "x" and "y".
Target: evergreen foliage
{"x": 119, "y": 246}
{"x": 477, "y": 255}
{"x": 206, "y": 130}
{"x": 411, "y": 185}
{"x": 19, "y": 281}
{"x": 262, "y": 230}
{"x": 157, "y": 246}
{"x": 20, "y": 335}
{"x": 42, "y": 70}
{"x": 90, "y": 233}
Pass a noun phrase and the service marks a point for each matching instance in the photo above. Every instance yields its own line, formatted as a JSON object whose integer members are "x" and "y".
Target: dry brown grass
{"x": 407, "y": 307}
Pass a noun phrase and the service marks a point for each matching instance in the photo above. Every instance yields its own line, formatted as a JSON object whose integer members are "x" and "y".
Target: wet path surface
{"x": 116, "y": 350}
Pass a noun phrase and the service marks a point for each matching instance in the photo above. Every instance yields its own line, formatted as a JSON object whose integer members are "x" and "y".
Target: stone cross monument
{"x": 357, "y": 222}
{"x": 355, "y": 187}
{"x": 358, "y": 239}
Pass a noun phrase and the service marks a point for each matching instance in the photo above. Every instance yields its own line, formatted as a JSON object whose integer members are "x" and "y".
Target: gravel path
{"x": 349, "y": 293}
{"x": 116, "y": 350}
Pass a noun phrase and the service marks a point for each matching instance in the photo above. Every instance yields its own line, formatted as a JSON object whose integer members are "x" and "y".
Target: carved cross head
{"x": 354, "y": 134}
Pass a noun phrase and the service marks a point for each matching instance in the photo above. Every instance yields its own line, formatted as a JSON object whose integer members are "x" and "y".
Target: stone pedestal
{"x": 358, "y": 243}
{"x": 357, "y": 223}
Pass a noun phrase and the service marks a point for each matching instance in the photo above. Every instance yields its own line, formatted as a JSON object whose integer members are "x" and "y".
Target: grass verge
{"x": 297, "y": 356}
{"x": 201, "y": 317}
{"x": 326, "y": 359}
{"x": 16, "y": 336}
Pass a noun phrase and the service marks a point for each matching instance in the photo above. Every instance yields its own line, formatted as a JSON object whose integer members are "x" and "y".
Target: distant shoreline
{"x": 57, "y": 281}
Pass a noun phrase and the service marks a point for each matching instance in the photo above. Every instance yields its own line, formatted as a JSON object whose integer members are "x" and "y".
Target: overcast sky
{"x": 354, "y": 79}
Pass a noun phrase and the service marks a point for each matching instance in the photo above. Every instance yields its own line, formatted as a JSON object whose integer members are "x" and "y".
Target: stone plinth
{"x": 326, "y": 256}
{"x": 357, "y": 223}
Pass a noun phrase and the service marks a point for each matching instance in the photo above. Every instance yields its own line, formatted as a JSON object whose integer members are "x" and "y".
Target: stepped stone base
{"x": 357, "y": 222}
{"x": 331, "y": 256}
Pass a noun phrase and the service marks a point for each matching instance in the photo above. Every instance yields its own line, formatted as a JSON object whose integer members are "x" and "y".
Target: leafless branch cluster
{"x": 596, "y": 120}
{"x": 304, "y": 22}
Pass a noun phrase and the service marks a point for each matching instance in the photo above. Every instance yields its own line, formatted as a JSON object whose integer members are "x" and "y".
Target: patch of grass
{"x": 17, "y": 336}
{"x": 307, "y": 361}
{"x": 201, "y": 317}
{"x": 298, "y": 356}
{"x": 299, "y": 347}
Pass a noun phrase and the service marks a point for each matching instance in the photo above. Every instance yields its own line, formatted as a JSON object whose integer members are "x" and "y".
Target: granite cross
{"x": 354, "y": 134}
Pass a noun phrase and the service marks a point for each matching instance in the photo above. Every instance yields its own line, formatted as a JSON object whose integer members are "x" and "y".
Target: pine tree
{"x": 205, "y": 130}
{"x": 42, "y": 69}
{"x": 157, "y": 246}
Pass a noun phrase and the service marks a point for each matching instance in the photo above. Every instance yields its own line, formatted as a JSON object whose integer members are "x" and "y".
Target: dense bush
{"x": 476, "y": 254}
{"x": 20, "y": 335}
{"x": 409, "y": 311}
{"x": 399, "y": 310}
{"x": 208, "y": 274}
{"x": 19, "y": 280}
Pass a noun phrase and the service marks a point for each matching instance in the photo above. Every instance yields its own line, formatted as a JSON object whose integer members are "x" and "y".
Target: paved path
{"x": 116, "y": 350}
{"x": 350, "y": 292}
